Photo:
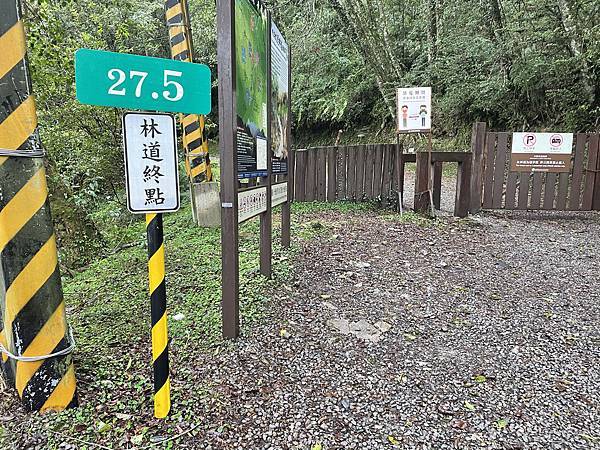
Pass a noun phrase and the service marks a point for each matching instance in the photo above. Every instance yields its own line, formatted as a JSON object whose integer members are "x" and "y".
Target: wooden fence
{"x": 578, "y": 190}
{"x": 359, "y": 172}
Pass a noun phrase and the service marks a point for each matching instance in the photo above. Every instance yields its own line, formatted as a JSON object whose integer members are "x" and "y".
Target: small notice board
{"x": 151, "y": 173}
{"x": 541, "y": 152}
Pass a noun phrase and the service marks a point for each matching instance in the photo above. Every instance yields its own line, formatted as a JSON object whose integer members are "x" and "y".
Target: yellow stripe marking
{"x": 22, "y": 207}
{"x": 3, "y": 159}
{"x": 191, "y": 137}
{"x": 47, "y": 339}
{"x": 159, "y": 337}
{"x": 189, "y": 119}
{"x": 162, "y": 401}
{"x": 173, "y": 11}
{"x": 12, "y": 47}
{"x": 179, "y": 48}
{"x": 17, "y": 127}
{"x": 30, "y": 280}
{"x": 156, "y": 268}
{"x": 63, "y": 392}
{"x": 4, "y": 344}
{"x": 198, "y": 170}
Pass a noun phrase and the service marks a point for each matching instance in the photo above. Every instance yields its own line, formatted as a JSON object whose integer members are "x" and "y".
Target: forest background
{"x": 515, "y": 64}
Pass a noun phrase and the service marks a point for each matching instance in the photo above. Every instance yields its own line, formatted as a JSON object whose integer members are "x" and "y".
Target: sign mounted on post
{"x": 251, "y": 88}
{"x": 541, "y": 152}
{"x": 280, "y": 93}
{"x": 251, "y": 203}
{"x": 279, "y": 194}
{"x": 414, "y": 110}
{"x": 152, "y": 177}
{"x": 141, "y": 82}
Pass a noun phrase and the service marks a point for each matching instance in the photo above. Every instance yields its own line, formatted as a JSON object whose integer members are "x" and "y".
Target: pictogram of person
{"x": 404, "y": 116}
{"x": 423, "y": 114}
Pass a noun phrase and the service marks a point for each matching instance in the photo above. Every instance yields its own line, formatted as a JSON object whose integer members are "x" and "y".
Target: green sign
{"x": 141, "y": 82}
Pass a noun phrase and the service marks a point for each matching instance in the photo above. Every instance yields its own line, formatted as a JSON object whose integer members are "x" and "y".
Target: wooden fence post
{"x": 423, "y": 173}
{"x": 437, "y": 185}
{"x": 463, "y": 188}
{"x": 477, "y": 147}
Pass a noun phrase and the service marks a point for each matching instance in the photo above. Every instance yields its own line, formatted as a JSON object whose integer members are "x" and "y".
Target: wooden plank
{"x": 369, "y": 162}
{"x": 322, "y": 174}
{"x": 387, "y": 174}
{"x": 360, "y": 173}
{"x": 563, "y": 191}
{"x": 478, "y": 149}
{"x": 378, "y": 171}
{"x": 311, "y": 165}
{"x": 462, "y": 202}
{"x": 300, "y": 176}
{"x": 342, "y": 156}
{"x": 351, "y": 174}
{"x": 437, "y": 185}
{"x": 488, "y": 180}
{"x": 499, "y": 170}
{"x": 331, "y": 173}
{"x": 550, "y": 191}
{"x": 511, "y": 190}
{"x": 400, "y": 166}
{"x": 536, "y": 191}
{"x": 523, "y": 203}
{"x": 596, "y": 201}
{"x": 422, "y": 200}
{"x": 576, "y": 179}
{"x": 590, "y": 173}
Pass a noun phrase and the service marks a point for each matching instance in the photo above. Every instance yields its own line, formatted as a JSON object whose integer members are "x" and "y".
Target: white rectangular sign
{"x": 553, "y": 143}
{"x": 251, "y": 203}
{"x": 541, "y": 152}
{"x": 151, "y": 172}
{"x": 414, "y": 109}
{"x": 279, "y": 194}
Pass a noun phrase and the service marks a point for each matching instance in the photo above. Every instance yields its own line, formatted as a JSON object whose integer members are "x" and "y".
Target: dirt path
{"x": 481, "y": 334}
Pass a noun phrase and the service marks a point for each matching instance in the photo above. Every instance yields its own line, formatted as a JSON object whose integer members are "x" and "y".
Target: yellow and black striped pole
{"x": 36, "y": 347}
{"x": 197, "y": 161}
{"x": 158, "y": 299}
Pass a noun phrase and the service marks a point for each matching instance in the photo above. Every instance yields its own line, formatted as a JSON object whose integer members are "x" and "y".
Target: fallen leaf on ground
{"x": 501, "y": 424}
{"x": 469, "y": 406}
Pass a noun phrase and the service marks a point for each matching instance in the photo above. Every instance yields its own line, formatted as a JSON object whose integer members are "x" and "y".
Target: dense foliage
{"x": 526, "y": 64}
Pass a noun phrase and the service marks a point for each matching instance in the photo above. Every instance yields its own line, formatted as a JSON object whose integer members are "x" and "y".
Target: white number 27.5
{"x": 119, "y": 77}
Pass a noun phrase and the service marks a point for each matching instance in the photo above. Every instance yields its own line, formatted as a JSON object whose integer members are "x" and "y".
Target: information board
{"x": 251, "y": 203}
{"x": 541, "y": 152}
{"x": 141, "y": 82}
{"x": 151, "y": 173}
{"x": 251, "y": 88}
{"x": 280, "y": 94}
{"x": 279, "y": 194}
{"x": 414, "y": 110}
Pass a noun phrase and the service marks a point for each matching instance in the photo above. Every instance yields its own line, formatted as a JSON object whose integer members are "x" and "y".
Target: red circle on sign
{"x": 529, "y": 140}
{"x": 556, "y": 140}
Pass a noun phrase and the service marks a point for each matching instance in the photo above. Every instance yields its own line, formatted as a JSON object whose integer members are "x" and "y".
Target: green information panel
{"x": 141, "y": 82}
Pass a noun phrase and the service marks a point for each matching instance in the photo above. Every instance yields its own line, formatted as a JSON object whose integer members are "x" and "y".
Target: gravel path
{"x": 477, "y": 334}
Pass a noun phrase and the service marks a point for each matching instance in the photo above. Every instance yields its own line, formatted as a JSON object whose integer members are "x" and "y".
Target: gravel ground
{"x": 472, "y": 334}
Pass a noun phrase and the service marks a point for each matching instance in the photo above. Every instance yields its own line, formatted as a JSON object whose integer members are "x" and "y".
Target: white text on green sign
{"x": 141, "y": 82}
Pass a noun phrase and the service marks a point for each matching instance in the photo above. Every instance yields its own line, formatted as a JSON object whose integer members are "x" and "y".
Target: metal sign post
{"x": 152, "y": 179}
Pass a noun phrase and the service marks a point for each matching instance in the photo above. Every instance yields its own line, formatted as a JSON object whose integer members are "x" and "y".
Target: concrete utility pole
{"x": 205, "y": 195}
{"x": 35, "y": 345}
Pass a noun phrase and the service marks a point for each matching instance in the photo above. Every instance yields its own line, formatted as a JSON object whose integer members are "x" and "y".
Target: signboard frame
{"x": 230, "y": 185}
